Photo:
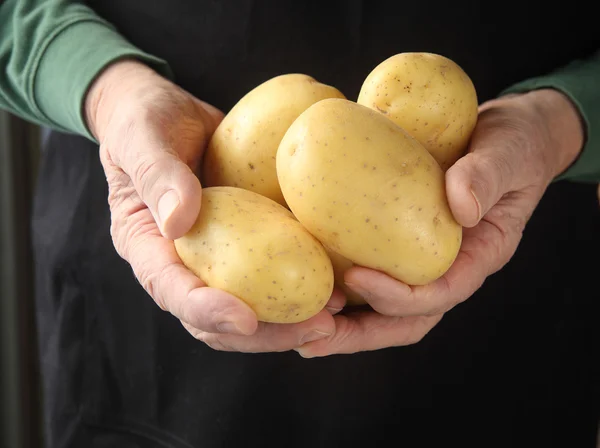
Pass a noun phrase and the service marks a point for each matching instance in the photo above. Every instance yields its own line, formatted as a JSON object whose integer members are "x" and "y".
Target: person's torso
{"x": 221, "y": 49}
{"x": 135, "y": 369}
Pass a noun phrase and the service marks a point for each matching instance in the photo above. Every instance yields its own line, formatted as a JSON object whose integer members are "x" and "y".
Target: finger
{"x": 484, "y": 250}
{"x": 475, "y": 183}
{"x": 166, "y": 185}
{"x": 178, "y": 291}
{"x": 271, "y": 337}
{"x": 159, "y": 270}
{"x": 337, "y": 302}
{"x": 495, "y": 165}
{"x": 368, "y": 330}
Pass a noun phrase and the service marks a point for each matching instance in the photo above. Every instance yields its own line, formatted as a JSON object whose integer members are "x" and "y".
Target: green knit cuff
{"x": 579, "y": 81}
{"x": 72, "y": 59}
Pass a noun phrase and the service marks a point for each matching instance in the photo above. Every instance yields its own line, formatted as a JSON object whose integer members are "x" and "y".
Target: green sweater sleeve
{"x": 50, "y": 52}
{"x": 580, "y": 81}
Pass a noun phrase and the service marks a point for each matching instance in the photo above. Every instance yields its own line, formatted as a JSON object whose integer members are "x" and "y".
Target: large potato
{"x": 368, "y": 191}
{"x": 430, "y": 97}
{"x": 255, "y": 249}
{"x": 241, "y": 153}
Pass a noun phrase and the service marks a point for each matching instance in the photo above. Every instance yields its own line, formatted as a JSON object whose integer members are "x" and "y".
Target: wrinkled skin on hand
{"x": 520, "y": 144}
{"x": 152, "y": 135}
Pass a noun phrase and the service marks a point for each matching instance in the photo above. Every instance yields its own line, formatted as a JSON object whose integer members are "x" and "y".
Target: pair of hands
{"x": 152, "y": 135}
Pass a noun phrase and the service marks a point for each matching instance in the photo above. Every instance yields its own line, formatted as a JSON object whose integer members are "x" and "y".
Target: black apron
{"x": 511, "y": 367}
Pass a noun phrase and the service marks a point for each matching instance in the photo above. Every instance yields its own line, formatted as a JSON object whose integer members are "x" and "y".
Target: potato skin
{"x": 368, "y": 191}
{"x": 254, "y": 248}
{"x": 241, "y": 152}
{"x": 430, "y": 97}
{"x": 340, "y": 266}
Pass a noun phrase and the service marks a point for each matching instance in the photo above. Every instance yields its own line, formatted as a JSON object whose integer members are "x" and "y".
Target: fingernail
{"x": 333, "y": 310}
{"x": 313, "y": 335}
{"x": 229, "y": 327}
{"x": 302, "y": 353}
{"x": 167, "y": 204}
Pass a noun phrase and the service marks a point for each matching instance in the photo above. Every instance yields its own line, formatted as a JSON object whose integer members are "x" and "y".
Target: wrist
{"x": 108, "y": 92}
{"x": 562, "y": 126}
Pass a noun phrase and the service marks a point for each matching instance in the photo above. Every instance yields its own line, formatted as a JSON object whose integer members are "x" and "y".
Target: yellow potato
{"x": 241, "y": 153}
{"x": 368, "y": 191}
{"x": 340, "y": 266}
{"x": 254, "y": 248}
{"x": 430, "y": 97}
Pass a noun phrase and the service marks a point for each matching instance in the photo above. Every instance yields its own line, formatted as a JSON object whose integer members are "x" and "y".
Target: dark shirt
{"x": 511, "y": 367}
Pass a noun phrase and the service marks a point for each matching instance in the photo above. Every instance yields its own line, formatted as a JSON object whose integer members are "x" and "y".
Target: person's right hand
{"x": 152, "y": 135}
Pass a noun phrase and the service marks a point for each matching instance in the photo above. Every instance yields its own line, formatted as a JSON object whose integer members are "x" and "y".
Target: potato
{"x": 241, "y": 152}
{"x": 254, "y": 248}
{"x": 430, "y": 97}
{"x": 368, "y": 191}
{"x": 340, "y": 266}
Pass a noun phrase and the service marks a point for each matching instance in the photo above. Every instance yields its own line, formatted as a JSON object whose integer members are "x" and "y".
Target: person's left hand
{"x": 520, "y": 144}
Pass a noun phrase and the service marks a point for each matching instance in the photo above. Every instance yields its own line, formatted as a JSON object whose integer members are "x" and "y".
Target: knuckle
{"x": 193, "y": 331}
{"x": 144, "y": 166}
{"x": 437, "y": 306}
{"x": 153, "y": 280}
{"x": 421, "y": 328}
{"x": 129, "y": 228}
{"x": 124, "y": 204}
{"x": 147, "y": 277}
{"x": 117, "y": 237}
{"x": 149, "y": 169}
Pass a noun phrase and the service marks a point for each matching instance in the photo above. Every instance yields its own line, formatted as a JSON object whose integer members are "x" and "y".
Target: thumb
{"x": 169, "y": 188}
{"x": 165, "y": 183}
{"x": 476, "y": 182}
